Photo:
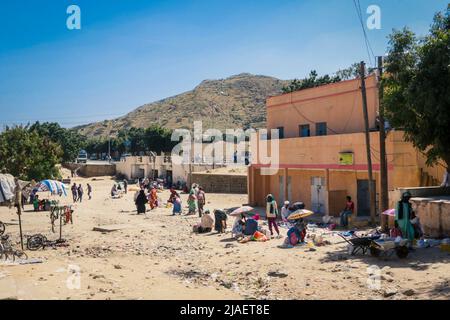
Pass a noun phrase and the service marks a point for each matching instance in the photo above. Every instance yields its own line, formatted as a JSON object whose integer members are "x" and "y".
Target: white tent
{"x": 7, "y": 187}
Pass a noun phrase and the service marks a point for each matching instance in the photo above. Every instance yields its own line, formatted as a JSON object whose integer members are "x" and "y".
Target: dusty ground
{"x": 159, "y": 258}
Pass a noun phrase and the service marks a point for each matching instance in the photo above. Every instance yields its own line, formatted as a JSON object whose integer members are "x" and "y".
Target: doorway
{"x": 318, "y": 194}
{"x": 364, "y": 198}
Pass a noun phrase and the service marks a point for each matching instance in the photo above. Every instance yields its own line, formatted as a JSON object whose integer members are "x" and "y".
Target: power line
{"x": 369, "y": 49}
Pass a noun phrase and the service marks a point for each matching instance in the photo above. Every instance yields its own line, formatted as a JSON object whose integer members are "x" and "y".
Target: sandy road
{"x": 159, "y": 258}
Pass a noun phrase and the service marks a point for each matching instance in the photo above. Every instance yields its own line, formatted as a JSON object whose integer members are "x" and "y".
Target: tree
{"x": 70, "y": 141}
{"x": 313, "y": 80}
{"x": 27, "y": 155}
{"x": 417, "y": 84}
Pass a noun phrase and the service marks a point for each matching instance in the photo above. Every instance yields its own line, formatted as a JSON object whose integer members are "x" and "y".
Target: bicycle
{"x": 39, "y": 241}
{"x": 7, "y": 250}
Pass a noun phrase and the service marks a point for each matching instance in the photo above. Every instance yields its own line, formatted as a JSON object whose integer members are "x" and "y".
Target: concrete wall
{"x": 221, "y": 183}
{"x": 92, "y": 170}
{"x": 339, "y": 104}
{"x": 434, "y": 214}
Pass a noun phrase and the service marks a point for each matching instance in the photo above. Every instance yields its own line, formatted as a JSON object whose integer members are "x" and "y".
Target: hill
{"x": 234, "y": 102}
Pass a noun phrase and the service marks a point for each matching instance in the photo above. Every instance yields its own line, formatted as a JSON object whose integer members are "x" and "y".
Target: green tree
{"x": 416, "y": 87}
{"x": 70, "y": 141}
{"x": 27, "y": 155}
{"x": 313, "y": 80}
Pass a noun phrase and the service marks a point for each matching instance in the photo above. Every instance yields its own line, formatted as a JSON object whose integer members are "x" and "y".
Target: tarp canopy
{"x": 7, "y": 187}
{"x": 53, "y": 186}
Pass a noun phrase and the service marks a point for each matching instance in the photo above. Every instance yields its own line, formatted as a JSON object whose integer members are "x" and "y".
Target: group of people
{"x": 119, "y": 188}
{"x": 78, "y": 192}
{"x": 196, "y": 200}
{"x": 146, "y": 196}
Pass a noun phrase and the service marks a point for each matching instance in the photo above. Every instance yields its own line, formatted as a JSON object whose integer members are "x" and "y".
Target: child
{"x": 176, "y": 205}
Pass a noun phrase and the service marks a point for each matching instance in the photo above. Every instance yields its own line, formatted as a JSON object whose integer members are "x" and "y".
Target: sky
{"x": 132, "y": 52}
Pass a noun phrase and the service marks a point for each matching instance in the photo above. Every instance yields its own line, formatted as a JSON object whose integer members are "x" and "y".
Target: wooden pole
{"x": 60, "y": 222}
{"x": 18, "y": 193}
{"x": 384, "y": 201}
{"x": 367, "y": 131}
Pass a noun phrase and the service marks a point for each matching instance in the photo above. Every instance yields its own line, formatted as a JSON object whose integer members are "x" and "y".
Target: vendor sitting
{"x": 251, "y": 226}
{"x": 296, "y": 234}
{"x": 415, "y": 221}
{"x": 206, "y": 223}
{"x": 238, "y": 227}
{"x": 395, "y": 232}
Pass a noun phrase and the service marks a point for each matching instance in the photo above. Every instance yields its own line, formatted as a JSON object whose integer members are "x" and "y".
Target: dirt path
{"x": 159, "y": 258}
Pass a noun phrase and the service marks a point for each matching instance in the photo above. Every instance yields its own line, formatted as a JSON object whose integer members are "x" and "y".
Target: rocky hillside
{"x": 235, "y": 102}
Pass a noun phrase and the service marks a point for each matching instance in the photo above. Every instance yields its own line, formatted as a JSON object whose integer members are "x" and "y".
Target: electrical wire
{"x": 369, "y": 49}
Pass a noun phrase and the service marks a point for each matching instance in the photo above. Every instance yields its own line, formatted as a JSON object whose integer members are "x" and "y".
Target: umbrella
{"x": 53, "y": 186}
{"x": 300, "y": 214}
{"x": 241, "y": 210}
{"x": 390, "y": 212}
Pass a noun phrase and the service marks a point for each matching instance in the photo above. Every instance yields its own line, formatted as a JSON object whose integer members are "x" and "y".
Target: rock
{"x": 116, "y": 266}
{"x": 276, "y": 274}
{"x": 312, "y": 249}
{"x": 409, "y": 292}
{"x": 387, "y": 270}
{"x": 389, "y": 292}
{"x": 387, "y": 277}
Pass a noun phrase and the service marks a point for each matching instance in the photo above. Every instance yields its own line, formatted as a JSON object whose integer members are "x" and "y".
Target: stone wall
{"x": 434, "y": 214}
{"x": 221, "y": 183}
{"x": 92, "y": 170}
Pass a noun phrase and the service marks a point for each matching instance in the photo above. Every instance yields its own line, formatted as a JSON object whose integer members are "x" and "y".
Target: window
{"x": 304, "y": 130}
{"x": 281, "y": 132}
{"x": 321, "y": 129}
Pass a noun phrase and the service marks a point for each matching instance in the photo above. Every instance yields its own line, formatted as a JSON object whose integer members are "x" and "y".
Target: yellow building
{"x": 322, "y": 151}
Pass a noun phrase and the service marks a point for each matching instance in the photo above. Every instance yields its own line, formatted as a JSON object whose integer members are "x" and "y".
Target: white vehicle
{"x": 82, "y": 157}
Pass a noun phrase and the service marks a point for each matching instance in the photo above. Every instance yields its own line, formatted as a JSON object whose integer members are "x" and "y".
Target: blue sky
{"x": 132, "y": 52}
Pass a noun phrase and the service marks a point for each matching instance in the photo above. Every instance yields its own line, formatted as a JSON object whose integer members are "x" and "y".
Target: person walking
{"x": 140, "y": 202}
{"x": 89, "y": 191}
{"x": 192, "y": 202}
{"x": 153, "y": 198}
{"x": 74, "y": 192}
{"x": 125, "y": 186}
{"x": 80, "y": 193}
{"x": 201, "y": 200}
{"x": 272, "y": 213}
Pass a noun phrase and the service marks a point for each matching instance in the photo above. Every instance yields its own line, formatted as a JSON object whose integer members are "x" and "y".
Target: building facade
{"x": 322, "y": 151}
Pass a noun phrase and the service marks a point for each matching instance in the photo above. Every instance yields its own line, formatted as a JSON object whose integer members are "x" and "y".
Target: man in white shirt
{"x": 285, "y": 212}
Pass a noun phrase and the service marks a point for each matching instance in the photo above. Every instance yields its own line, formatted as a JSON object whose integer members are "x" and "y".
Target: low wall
{"x": 221, "y": 183}
{"x": 92, "y": 170}
{"x": 434, "y": 215}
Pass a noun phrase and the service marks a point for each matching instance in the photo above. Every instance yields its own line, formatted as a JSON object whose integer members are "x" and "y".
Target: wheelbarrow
{"x": 358, "y": 244}
{"x": 387, "y": 247}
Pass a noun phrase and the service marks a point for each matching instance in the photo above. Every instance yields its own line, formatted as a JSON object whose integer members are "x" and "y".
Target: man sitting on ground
{"x": 205, "y": 224}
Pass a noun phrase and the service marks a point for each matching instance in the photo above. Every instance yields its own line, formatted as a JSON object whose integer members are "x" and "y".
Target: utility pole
{"x": 384, "y": 201}
{"x": 369, "y": 156}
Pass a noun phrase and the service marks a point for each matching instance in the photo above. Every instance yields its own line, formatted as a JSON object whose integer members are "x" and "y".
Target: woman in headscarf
{"x": 141, "y": 200}
{"x": 192, "y": 202}
{"x": 173, "y": 195}
{"x": 153, "y": 198}
{"x": 272, "y": 213}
